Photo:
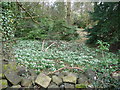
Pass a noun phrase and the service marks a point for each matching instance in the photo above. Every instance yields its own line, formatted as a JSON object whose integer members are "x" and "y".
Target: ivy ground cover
{"x": 58, "y": 54}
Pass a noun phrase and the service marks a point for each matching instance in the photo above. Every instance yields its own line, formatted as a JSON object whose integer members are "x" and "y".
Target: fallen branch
{"x": 30, "y": 17}
{"x": 27, "y": 12}
{"x": 65, "y": 68}
{"x": 49, "y": 46}
{"x": 43, "y": 45}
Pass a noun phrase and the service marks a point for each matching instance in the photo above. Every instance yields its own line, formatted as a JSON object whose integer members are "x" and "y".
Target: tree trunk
{"x": 69, "y": 12}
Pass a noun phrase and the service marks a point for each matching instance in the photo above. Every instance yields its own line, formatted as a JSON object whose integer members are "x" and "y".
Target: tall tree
{"x": 107, "y": 29}
{"x": 69, "y": 12}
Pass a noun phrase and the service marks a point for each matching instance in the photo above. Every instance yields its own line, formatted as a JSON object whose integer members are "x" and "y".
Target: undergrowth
{"x": 32, "y": 55}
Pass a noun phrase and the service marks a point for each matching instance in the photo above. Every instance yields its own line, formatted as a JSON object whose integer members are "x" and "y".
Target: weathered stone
{"x": 62, "y": 86}
{"x": 57, "y": 73}
{"x": 32, "y": 73}
{"x": 53, "y": 86}
{"x": 43, "y": 80}
{"x": 71, "y": 78}
{"x": 9, "y": 67}
{"x": 26, "y": 82}
{"x": 80, "y": 86}
{"x": 16, "y": 86}
{"x": 13, "y": 77}
{"x": 1, "y": 66}
{"x": 82, "y": 79}
{"x": 2, "y": 76}
{"x": 32, "y": 78}
{"x": 68, "y": 85}
{"x": 116, "y": 75}
{"x": 75, "y": 74}
{"x": 3, "y": 84}
{"x": 60, "y": 75}
{"x": 65, "y": 73}
{"x": 21, "y": 70}
{"x": 56, "y": 80}
{"x": 1, "y": 57}
{"x": 90, "y": 74}
{"x": 90, "y": 86}
{"x": 5, "y": 61}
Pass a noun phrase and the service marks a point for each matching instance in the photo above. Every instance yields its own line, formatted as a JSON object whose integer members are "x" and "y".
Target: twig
{"x": 30, "y": 17}
{"x": 43, "y": 45}
{"x": 65, "y": 68}
{"x": 27, "y": 12}
{"x": 49, "y": 46}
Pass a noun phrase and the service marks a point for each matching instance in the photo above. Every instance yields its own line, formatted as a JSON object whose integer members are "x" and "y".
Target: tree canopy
{"x": 107, "y": 28}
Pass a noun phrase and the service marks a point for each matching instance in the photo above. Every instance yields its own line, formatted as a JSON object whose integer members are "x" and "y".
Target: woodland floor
{"x": 54, "y": 54}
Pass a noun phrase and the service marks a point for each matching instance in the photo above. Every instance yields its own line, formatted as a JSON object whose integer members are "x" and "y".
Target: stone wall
{"x": 14, "y": 76}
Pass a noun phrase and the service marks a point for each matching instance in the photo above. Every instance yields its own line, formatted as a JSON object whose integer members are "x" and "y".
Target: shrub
{"x": 49, "y": 29}
{"x": 64, "y": 31}
{"x": 107, "y": 28}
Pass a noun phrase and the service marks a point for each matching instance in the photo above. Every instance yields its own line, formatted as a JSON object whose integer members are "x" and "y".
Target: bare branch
{"x": 27, "y": 12}
{"x": 30, "y": 17}
{"x": 49, "y": 46}
{"x": 65, "y": 68}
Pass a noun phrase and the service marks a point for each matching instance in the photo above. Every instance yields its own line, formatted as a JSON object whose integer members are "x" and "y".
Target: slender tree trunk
{"x": 69, "y": 12}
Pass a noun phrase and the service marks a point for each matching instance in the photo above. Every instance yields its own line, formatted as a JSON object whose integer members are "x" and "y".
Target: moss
{"x": 1, "y": 75}
{"x": 4, "y": 82}
{"x": 80, "y": 86}
{"x": 5, "y": 67}
{"x": 10, "y": 67}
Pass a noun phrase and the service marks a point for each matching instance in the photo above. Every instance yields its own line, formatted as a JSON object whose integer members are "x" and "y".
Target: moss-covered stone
{"x": 80, "y": 86}
{"x": 9, "y": 67}
{"x": 82, "y": 79}
{"x": 71, "y": 78}
{"x": 2, "y": 75}
{"x": 68, "y": 85}
{"x": 5, "y": 67}
{"x": 43, "y": 80}
{"x": 16, "y": 86}
{"x": 13, "y": 77}
{"x": 56, "y": 79}
{"x": 26, "y": 82}
{"x": 3, "y": 84}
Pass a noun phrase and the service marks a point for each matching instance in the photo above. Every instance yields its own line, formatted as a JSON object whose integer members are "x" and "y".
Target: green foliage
{"x": 80, "y": 86}
{"x": 49, "y": 29}
{"x": 103, "y": 70}
{"x": 64, "y": 31}
{"x": 107, "y": 28}
{"x": 37, "y": 34}
{"x": 7, "y": 27}
{"x": 29, "y": 53}
{"x": 52, "y": 23}
{"x": 82, "y": 21}
{"x": 103, "y": 45}
{"x": 8, "y": 20}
